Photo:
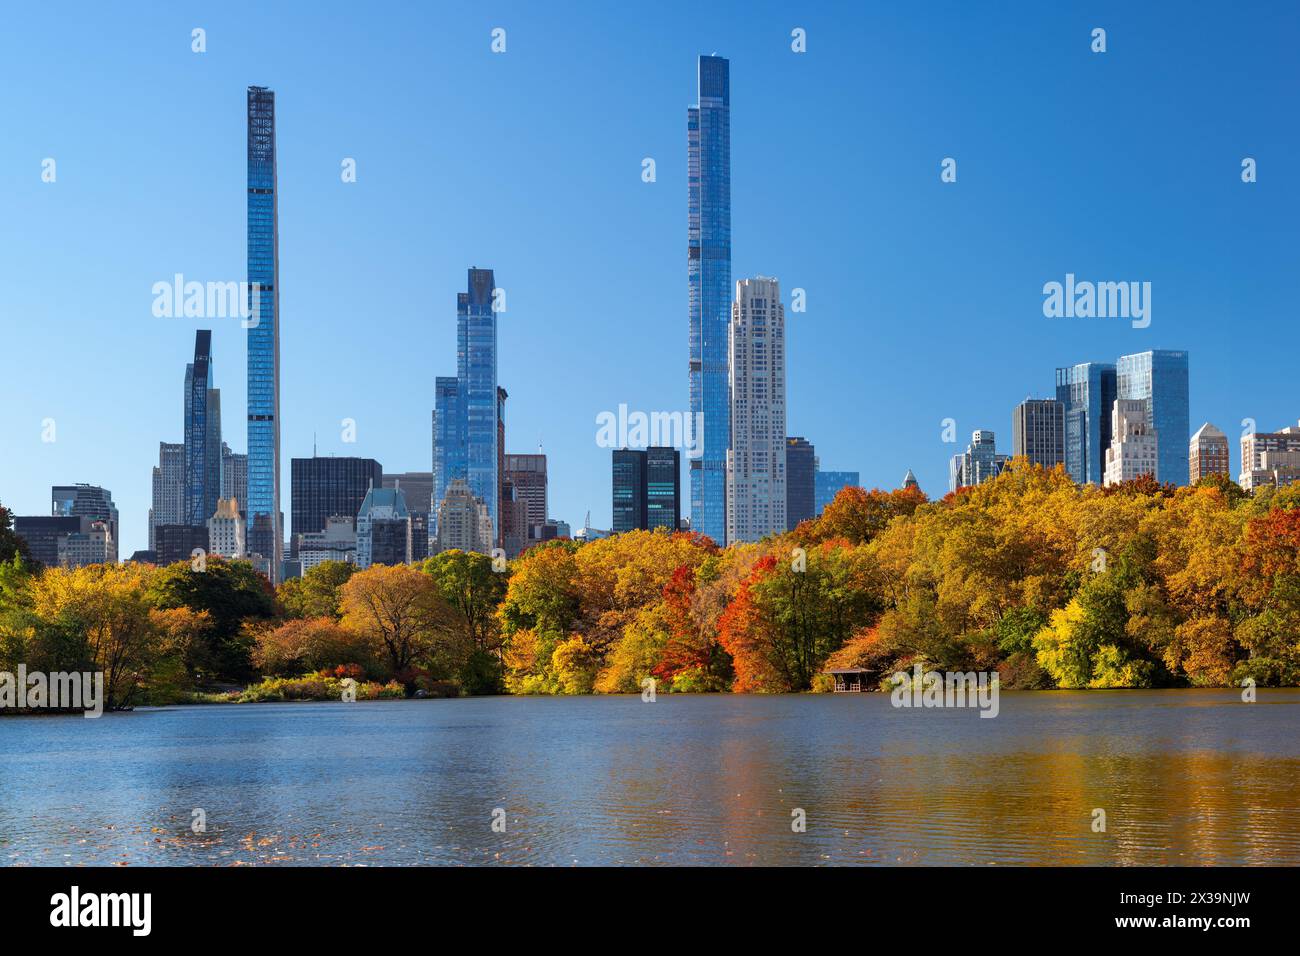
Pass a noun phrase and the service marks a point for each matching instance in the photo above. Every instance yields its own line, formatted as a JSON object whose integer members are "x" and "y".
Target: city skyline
{"x": 556, "y": 402}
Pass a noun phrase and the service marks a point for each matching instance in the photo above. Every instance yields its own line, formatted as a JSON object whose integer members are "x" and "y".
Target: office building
{"x": 234, "y": 475}
{"x": 1038, "y": 432}
{"x": 1134, "y": 444}
{"x": 663, "y": 488}
{"x": 87, "y": 501}
{"x": 168, "y": 488}
{"x": 226, "y": 530}
{"x": 323, "y": 486}
{"x": 337, "y": 542}
{"x": 1087, "y": 392}
{"x": 265, "y": 534}
{"x": 828, "y": 484}
{"x": 708, "y": 274}
{"x": 978, "y": 464}
{"x": 42, "y": 534}
{"x": 1207, "y": 454}
{"x": 1159, "y": 378}
{"x": 528, "y": 475}
{"x": 800, "y": 481}
{"x": 1270, "y": 458}
{"x": 755, "y": 488}
{"x": 463, "y": 521}
{"x": 383, "y": 529}
{"x": 202, "y": 434}
{"x": 629, "y": 489}
{"x": 92, "y": 545}
{"x": 179, "y": 542}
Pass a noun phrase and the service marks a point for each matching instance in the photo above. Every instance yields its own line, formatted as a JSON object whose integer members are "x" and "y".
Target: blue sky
{"x": 924, "y": 298}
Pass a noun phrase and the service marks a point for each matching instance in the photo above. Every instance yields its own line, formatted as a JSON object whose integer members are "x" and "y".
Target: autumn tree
{"x": 400, "y": 609}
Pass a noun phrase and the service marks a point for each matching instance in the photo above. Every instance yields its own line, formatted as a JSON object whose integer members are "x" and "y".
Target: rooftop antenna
{"x": 313, "y": 444}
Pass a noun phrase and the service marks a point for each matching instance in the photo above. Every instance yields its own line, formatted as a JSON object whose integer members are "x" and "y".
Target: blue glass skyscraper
{"x": 1088, "y": 392}
{"x": 202, "y": 435}
{"x": 264, "y": 532}
{"x": 465, "y": 416}
{"x": 708, "y": 271}
{"x": 1159, "y": 377}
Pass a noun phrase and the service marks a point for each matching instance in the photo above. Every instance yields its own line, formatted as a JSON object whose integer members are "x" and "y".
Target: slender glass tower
{"x": 202, "y": 435}
{"x": 264, "y": 534}
{"x": 708, "y": 272}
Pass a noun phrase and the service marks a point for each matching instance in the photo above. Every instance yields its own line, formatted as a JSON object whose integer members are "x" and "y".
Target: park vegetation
{"x": 1051, "y": 584}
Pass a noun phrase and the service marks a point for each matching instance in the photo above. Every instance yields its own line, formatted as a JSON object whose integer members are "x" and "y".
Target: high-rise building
{"x": 91, "y": 545}
{"x": 528, "y": 474}
{"x": 800, "y": 481}
{"x": 87, "y": 501}
{"x": 755, "y": 491}
{"x": 1270, "y": 458}
{"x": 178, "y": 542}
{"x": 168, "y": 488}
{"x": 202, "y": 434}
{"x": 417, "y": 488}
{"x": 1159, "y": 378}
{"x": 708, "y": 273}
{"x": 629, "y": 489}
{"x": 466, "y": 423}
{"x": 226, "y": 530}
{"x": 980, "y": 462}
{"x": 663, "y": 488}
{"x": 828, "y": 484}
{"x": 1038, "y": 431}
{"x": 234, "y": 476}
{"x": 1207, "y": 454}
{"x": 514, "y": 519}
{"x": 383, "y": 529}
{"x": 263, "y": 506}
{"x": 1134, "y": 444}
{"x": 338, "y": 542}
{"x": 502, "y": 395}
{"x": 42, "y": 534}
{"x": 324, "y": 486}
{"x": 463, "y": 520}
{"x": 1088, "y": 392}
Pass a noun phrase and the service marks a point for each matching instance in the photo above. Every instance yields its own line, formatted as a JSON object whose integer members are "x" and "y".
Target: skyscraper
{"x": 234, "y": 476}
{"x": 263, "y": 506}
{"x": 980, "y": 463}
{"x": 320, "y": 488}
{"x": 1270, "y": 458}
{"x": 528, "y": 474}
{"x": 1038, "y": 431}
{"x": 383, "y": 529}
{"x": 87, "y": 501}
{"x": 1159, "y": 378}
{"x": 629, "y": 489}
{"x": 800, "y": 483}
{"x": 466, "y": 425}
{"x": 1088, "y": 392}
{"x": 663, "y": 488}
{"x": 202, "y": 434}
{"x": 828, "y": 484}
{"x": 756, "y": 459}
{"x": 1134, "y": 446}
{"x": 168, "y": 488}
{"x": 1207, "y": 454}
{"x": 463, "y": 521}
{"x": 708, "y": 273}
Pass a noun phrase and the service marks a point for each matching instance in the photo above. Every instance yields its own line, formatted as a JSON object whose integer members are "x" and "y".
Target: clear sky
{"x": 924, "y": 298}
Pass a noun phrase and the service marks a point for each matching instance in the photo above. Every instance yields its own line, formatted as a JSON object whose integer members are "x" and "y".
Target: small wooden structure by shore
{"x": 850, "y": 680}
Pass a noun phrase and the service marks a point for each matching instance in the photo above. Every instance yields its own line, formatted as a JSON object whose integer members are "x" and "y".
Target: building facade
{"x": 800, "y": 481}
{"x": 828, "y": 484}
{"x": 708, "y": 275}
{"x": 1087, "y": 392}
{"x": 263, "y": 505}
{"x": 383, "y": 529}
{"x": 528, "y": 475}
{"x": 1159, "y": 378}
{"x": 1038, "y": 431}
{"x": 92, "y": 545}
{"x": 629, "y": 489}
{"x": 42, "y": 534}
{"x": 87, "y": 501}
{"x": 178, "y": 542}
{"x": 234, "y": 475}
{"x": 1207, "y": 454}
{"x": 202, "y": 434}
{"x": 663, "y": 488}
{"x": 337, "y": 542}
{"x": 463, "y": 520}
{"x": 168, "y": 488}
{"x": 1134, "y": 445}
{"x": 756, "y": 489}
{"x": 1270, "y": 458}
{"x": 226, "y": 530}
{"x": 978, "y": 464}
{"x": 321, "y": 487}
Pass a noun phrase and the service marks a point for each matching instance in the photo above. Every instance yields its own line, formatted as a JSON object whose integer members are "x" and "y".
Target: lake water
{"x": 1184, "y": 777}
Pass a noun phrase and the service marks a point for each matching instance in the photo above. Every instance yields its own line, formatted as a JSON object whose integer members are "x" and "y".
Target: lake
{"x": 1183, "y": 776}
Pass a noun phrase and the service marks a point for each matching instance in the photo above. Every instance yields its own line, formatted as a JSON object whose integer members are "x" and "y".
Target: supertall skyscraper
{"x": 1159, "y": 378}
{"x": 466, "y": 417}
{"x": 202, "y": 435}
{"x": 263, "y": 507}
{"x": 708, "y": 271}
{"x": 756, "y": 460}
